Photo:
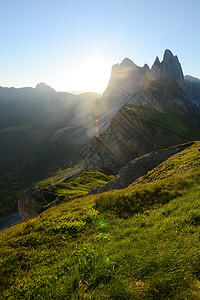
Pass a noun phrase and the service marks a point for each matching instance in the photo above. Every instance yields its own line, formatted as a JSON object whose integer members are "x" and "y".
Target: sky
{"x": 72, "y": 45}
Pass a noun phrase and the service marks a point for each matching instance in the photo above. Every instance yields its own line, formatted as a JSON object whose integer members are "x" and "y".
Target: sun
{"x": 93, "y": 75}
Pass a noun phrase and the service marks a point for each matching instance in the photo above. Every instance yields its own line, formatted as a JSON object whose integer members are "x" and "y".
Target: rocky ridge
{"x": 137, "y": 168}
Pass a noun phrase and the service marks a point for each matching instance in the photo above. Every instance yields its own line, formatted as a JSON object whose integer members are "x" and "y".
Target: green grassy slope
{"x": 138, "y": 243}
{"x": 64, "y": 191}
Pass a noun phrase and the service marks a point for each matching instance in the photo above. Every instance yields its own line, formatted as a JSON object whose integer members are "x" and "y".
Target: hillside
{"x": 138, "y": 243}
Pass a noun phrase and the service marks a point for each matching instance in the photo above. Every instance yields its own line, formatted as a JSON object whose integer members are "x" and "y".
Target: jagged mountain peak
{"x": 146, "y": 67}
{"x": 156, "y": 62}
{"x": 168, "y": 56}
{"x": 169, "y": 71}
{"x": 126, "y": 65}
{"x": 126, "y": 62}
{"x": 128, "y": 79}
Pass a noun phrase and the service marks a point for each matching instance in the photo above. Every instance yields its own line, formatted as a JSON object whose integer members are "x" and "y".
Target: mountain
{"x": 31, "y": 120}
{"x": 144, "y": 110}
{"x": 193, "y": 89}
{"x": 140, "y": 242}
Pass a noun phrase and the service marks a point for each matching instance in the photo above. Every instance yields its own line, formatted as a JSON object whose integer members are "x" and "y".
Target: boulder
{"x": 31, "y": 203}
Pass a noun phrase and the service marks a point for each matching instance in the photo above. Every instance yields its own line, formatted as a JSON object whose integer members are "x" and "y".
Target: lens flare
{"x": 107, "y": 260}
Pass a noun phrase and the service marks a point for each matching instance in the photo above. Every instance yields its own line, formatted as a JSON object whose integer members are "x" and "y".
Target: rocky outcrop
{"x": 168, "y": 72}
{"x": 137, "y": 168}
{"x": 31, "y": 203}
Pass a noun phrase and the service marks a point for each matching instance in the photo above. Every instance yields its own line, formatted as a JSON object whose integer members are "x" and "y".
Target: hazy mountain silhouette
{"x": 29, "y": 118}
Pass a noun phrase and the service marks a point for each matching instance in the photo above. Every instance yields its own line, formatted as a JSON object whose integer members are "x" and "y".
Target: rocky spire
{"x": 146, "y": 67}
{"x": 156, "y": 62}
{"x": 169, "y": 71}
{"x": 155, "y": 70}
{"x": 168, "y": 56}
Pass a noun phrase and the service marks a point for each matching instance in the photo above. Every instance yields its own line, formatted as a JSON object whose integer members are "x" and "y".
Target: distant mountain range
{"x": 33, "y": 145}
{"x": 30, "y": 119}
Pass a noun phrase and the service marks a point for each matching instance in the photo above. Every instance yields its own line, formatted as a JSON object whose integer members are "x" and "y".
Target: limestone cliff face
{"x": 143, "y": 110}
{"x": 128, "y": 136}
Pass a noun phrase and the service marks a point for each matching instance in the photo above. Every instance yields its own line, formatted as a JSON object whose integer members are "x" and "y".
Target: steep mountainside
{"x": 149, "y": 110}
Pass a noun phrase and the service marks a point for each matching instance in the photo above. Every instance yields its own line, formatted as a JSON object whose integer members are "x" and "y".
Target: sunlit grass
{"x": 87, "y": 249}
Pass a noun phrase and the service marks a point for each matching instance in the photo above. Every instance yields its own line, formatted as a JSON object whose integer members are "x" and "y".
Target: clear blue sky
{"x": 56, "y": 41}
